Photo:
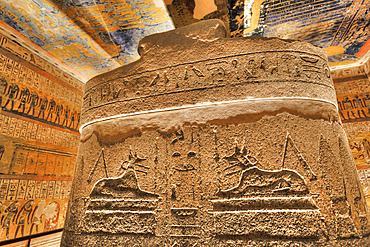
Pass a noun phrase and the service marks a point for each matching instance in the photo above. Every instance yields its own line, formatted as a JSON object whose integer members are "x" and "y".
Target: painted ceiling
{"x": 89, "y": 37}
{"x": 342, "y": 27}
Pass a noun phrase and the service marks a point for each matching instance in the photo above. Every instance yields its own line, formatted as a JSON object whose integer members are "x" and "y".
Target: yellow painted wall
{"x": 353, "y": 94}
{"x": 39, "y": 114}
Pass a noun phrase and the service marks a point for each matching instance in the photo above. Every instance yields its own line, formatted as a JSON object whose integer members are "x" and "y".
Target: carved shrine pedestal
{"x": 210, "y": 141}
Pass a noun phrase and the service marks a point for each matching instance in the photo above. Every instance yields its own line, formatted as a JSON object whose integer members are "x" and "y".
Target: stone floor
{"x": 52, "y": 240}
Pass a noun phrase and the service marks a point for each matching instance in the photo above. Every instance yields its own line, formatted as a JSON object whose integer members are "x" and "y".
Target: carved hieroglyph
{"x": 209, "y": 141}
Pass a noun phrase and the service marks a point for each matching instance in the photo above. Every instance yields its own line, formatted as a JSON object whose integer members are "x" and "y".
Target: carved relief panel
{"x": 207, "y": 182}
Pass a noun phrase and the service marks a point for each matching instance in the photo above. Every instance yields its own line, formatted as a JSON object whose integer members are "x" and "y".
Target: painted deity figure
{"x": 2, "y": 150}
{"x": 2, "y": 208}
{"x": 340, "y": 105}
{"x": 66, "y": 116}
{"x": 24, "y": 97}
{"x": 9, "y": 217}
{"x": 366, "y": 145}
{"x": 358, "y": 104}
{"x": 51, "y": 216}
{"x": 43, "y": 105}
{"x": 24, "y": 213}
{"x": 78, "y": 120}
{"x": 12, "y": 93}
{"x": 59, "y": 111}
{"x": 36, "y": 216}
{"x": 52, "y": 106}
{"x": 73, "y": 119}
{"x": 366, "y": 101}
{"x": 356, "y": 147}
{"x": 3, "y": 87}
{"x": 34, "y": 99}
{"x": 340, "y": 109}
{"x": 347, "y": 105}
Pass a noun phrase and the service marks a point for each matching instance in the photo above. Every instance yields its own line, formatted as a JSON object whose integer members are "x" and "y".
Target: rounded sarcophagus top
{"x": 211, "y": 141}
{"x": 193, "y": 66}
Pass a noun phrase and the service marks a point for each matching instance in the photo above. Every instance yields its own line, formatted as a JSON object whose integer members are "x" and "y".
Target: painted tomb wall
{"x": 39, "y": 120}
{"x": 353, "y": 90}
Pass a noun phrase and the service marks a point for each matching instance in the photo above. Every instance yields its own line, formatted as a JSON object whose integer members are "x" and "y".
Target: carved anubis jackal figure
{"x": 215, "y": 142}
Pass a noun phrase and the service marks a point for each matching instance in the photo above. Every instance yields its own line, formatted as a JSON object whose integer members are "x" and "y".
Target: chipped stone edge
{"x": 118, "y": 127}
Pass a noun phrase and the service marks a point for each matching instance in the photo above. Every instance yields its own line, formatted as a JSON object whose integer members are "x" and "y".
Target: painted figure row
{"x": 29, "y": 215}
{"x": 355, "y": 108}
{"x": 48, "y": 109}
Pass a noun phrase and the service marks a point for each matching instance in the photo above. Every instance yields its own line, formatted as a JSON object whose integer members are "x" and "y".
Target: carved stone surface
{"x": 209, "y": 141}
